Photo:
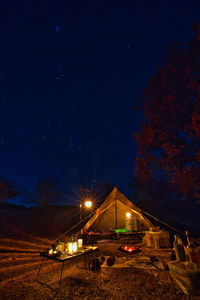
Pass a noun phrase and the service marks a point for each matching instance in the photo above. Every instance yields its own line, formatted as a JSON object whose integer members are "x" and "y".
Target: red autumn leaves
{"x": 169, "y": 139}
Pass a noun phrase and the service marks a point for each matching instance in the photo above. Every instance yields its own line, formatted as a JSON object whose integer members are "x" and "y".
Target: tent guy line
{"x": 67, "y": 231}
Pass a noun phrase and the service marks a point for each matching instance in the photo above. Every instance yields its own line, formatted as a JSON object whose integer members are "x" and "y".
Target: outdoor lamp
{"x": 88, "y": 204}
{"x": 72, "y": 247}
{"x": 80, "y": 243}
{"x": 50, "y": 251}
{"x": 128, "y": 215}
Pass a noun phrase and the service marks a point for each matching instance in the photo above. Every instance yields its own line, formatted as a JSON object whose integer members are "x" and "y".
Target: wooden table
{"x": 83, "y": 252}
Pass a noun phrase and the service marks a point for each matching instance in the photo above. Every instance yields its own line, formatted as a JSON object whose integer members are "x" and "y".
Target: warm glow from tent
{"x": 88, "y": 204}
{"x": 128, "y": 215}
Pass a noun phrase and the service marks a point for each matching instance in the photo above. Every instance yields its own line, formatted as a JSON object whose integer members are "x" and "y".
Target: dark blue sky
{"x": 70, "y": 73}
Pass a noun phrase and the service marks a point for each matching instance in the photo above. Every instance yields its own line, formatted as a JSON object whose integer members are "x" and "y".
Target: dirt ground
{"x": 20, "y": 261}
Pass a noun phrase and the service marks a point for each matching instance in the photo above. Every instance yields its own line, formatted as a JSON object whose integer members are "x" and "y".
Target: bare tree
{"x": 7, "y": 190}
{"x": 47, "y": 192}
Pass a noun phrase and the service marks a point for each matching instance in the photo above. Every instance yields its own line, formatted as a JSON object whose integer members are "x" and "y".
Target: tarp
{"x": 112, "y": 213}
{"x": 134, "y": 262}
{"x": 187, "y": 276}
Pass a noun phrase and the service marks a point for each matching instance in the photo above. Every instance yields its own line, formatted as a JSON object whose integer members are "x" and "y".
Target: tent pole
{"x": 115, "y": 214}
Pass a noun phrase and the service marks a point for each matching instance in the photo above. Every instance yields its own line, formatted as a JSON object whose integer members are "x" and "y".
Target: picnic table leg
{"x": 85, "y": 260}
{"x": 61, "y": 276}
{"x": 39, "y": 269}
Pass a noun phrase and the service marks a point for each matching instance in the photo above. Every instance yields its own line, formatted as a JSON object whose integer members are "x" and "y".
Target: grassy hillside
{"x": 49, "y": 222}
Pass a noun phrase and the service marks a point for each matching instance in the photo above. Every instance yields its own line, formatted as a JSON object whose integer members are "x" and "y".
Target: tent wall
{"x": 112, "y": 213}
{"x": 113, "y": 219}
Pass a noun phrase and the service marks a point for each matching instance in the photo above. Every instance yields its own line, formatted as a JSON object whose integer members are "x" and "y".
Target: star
{"x": 79, "y": 148}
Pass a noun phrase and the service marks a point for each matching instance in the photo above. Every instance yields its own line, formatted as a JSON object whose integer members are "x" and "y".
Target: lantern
{"x": 60, "y": 246}
{"x": 73, "y": 246}
{"x": 80, "y": 243}
{"x": 70, "y": 248}
{"x": 128, "y": 215}
{"x": 50, "y": 251}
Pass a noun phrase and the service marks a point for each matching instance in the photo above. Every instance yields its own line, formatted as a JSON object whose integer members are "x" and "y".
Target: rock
{"x": 110, "y": 261}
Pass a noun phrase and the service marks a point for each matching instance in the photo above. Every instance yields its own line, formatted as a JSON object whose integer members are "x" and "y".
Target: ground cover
{"x": 18, "y": 271}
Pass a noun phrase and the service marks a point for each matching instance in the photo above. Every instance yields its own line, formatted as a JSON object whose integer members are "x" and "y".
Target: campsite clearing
{"x": 18, "y": 270}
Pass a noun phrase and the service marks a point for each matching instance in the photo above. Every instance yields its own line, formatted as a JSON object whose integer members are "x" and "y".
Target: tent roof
{"x": 115, "y": 195}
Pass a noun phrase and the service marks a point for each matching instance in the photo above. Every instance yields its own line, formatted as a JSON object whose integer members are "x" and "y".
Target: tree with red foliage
{"x": 168, "y": 160}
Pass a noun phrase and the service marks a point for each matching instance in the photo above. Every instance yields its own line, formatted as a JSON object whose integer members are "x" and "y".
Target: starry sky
{"x": 70, "y": 74}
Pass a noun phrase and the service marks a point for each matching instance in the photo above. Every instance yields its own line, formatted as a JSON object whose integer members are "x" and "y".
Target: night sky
{"x": 70, "y": 74}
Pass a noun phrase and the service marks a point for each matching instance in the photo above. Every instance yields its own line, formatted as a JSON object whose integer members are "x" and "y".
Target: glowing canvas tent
{"x": 112, "y": 214}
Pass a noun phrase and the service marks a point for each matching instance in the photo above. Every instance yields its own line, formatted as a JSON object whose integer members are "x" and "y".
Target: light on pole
{"x": 88, "y": 203}
{"x": 85, "y": 202}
